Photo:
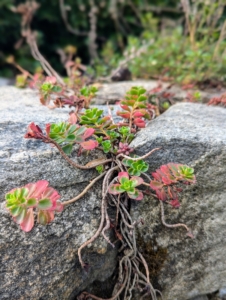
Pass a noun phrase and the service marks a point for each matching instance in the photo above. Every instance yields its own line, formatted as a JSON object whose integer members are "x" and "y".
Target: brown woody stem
{"x": 85, "y": 190}
{"x": 172, "y": 225}
{"x": 138, "y": 158}
{"x": 74, "y": 164}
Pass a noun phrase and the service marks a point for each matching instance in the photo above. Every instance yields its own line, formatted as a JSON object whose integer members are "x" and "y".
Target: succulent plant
{"x": 21, "y": 203}
{"x": 167, "y": 177}
{"x": 135, "y": 167}
{"x": 127, "y": 185}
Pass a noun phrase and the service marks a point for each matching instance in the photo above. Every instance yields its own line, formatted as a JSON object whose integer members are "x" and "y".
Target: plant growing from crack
{"x": 124, "y": 177}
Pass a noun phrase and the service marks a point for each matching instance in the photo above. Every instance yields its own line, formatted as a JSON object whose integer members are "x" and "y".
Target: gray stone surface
{"x": 201, "y": 297}
{"x": 115, "y": 91}
{"x": 43, "y": 263}
{"x": 192, "y": 134}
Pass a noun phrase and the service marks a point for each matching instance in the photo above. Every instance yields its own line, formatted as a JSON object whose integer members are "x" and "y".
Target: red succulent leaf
{"x": 172, "y": 194}
{"x": 122, "y": 175}
{"x": 137, "y": 179}
{"x": 165, "y": 169}
{"x": 48, "y": 129}
{"x": 175, "y": 203}
{"x": 161, "y": 194}
{"x": 138, "y": 114}
{"x": 34, "y": 131}
{"x": 138, "y": 195}
{"x": 28, "y": 222}
{"x": 45, "y": 217}
{"x": 125, "y": 115}
{"x": 88, "y": 133}
{"x": 156, "y": 185}
{"x": 166, "y": 180}
{"x": 72, "y": 118}
{"x": 36, "y": 189}
{"x": 115, "y": 189}
{"x": 89, "y": 145}
{"x": 51, "y": 194}
{"x": 125, "y": 107}
{"x": 157, "y": 176}
{"x": 139, "y": 122}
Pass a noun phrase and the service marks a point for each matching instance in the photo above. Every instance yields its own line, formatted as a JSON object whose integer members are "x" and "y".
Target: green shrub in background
{"x": 115, "y": 21}
{"x": 184, "y": 43}
{"x": 174, "y": 52}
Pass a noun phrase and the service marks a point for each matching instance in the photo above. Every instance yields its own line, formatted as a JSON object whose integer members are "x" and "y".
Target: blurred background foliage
{"x": 184, "y": 41}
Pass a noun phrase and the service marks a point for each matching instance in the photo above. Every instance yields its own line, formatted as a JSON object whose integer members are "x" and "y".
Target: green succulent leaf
{"x": 21, "y": 216}
{"x": 141, "y": 98}
{"x": 16, "y": 210}
{"x": 44, "y": 204}
{"x": 106, "y": 146}
{"x": 56, "y": 89}
{"x": 67, "y": 149}
{"x": 31, "y": 202}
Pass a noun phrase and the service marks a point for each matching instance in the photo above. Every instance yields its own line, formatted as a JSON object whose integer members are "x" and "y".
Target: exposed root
{"x": 140, "y": 157}
{"x": 189, "y": 233}
{"x": 74, "y": 164}
{"x": 99, "y": 230}
{"x": 85, "y": 190}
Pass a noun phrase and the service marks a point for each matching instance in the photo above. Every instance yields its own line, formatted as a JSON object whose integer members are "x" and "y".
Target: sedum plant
{"x": 127, "y": 185}
{"x": 124, "y": 176}
{"x": 22, "y": 202}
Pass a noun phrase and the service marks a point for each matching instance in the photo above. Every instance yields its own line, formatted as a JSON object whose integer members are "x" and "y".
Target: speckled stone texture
{"x": 115, "y": 91}
{"x": 43, "y": 263}
{"x": 192, "y": 134}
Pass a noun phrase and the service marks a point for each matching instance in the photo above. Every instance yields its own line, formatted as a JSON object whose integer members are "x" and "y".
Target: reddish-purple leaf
{"x": 72, "y": 118}
{"x": 122, "y": 174}
{"x": 36, "y": 189}
{"x": 125, "y": 115}
{"x": 175, "y": 203}
{"x": 139, "y": 122}
{"x": 115, "y": 189}
{"x": 34, "y": 132}
{"x": 166, "y": 180}
{"x": 88, "y": 133}
{"x": 125, "y": 107}
{"x": 157, "y": 176}
{"x": 89, "y": 145}
{"x": 137, "y": 196}
{"x": 137, "y": 179}
{"x": 161, "y": 194}
{"x": 48, "y": 126}
{"x": 28, "y": 221}
{"x": 156, "y": 185}
{"x": 138, "y": 114}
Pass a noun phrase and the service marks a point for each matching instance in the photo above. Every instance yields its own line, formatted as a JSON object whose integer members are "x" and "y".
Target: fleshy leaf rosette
{"x": 65, "y": 134}
{"x": 21, "y": 203}
{"x": 135, "y": 167}
{"x": 167, "y": 177}
{"x": 135, "y": 107}
{"x": 127, "y": 185}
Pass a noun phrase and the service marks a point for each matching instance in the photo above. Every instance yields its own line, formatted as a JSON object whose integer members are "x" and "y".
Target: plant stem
{"x": 85, "y": 190}
{"x": 74, "y": 164}
{"x": 138, "y": 158}
{"x": 189, "y": 233}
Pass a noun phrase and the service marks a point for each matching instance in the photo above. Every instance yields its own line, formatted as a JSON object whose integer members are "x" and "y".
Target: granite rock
{"x": 192, "y": 134}
{"x": 115, "y": 91}
{"x": 43, "y": 263}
